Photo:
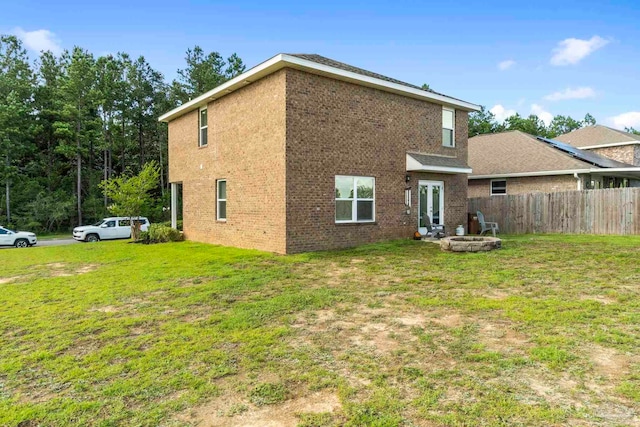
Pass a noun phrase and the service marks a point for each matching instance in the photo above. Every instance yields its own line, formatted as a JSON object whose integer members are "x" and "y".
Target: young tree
{"x": 16, "y": 95}
{"x": 130, "y": 194}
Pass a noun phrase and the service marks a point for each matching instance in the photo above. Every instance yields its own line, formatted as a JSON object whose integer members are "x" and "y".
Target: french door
{"x": 430, "y": 204}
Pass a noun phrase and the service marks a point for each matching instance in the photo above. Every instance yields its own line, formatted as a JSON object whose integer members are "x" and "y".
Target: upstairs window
{"x": 498, "y": 187}
{"x": 448, "y": 119}
{"x": 355, "y": 199}
{"x": 203, "y": 127}
{"x": 221, "y": 211}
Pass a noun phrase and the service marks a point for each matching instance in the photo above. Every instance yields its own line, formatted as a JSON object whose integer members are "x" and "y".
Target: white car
{"x": 109, "y": 228}
{"x": 19, "y": 239}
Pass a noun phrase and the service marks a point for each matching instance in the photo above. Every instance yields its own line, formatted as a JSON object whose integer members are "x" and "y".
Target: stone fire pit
{"x": 470, "y": 243}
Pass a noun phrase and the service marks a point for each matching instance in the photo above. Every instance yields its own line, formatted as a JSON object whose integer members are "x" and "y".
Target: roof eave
{"x": 283, "y": 60}
{"x": 526, "y": 174}
{"x": 413, "y": 165}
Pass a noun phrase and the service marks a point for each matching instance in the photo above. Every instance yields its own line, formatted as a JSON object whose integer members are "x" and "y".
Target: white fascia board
{"x": 633, "y": 172}
{"x": 611, "y": 144}
{"x": 415, "y": 166}
{"x": 525, "y": 174}
{"x": 282, "y": 60}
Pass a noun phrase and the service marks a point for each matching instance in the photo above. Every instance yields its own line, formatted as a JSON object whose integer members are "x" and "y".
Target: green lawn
{"x": 543, "y": 332}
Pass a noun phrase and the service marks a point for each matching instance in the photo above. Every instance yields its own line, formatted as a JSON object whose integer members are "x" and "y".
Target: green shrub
{"x": 168, "y": 224}
{"x": 143, "y": 237}
{"x": 160, "y": 233}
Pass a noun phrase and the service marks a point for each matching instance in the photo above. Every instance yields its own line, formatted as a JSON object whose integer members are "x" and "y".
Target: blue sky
{"x": 547, "y": 57}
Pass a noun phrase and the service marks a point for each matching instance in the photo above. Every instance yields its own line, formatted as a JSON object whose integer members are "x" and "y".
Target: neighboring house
{"x": 306, "y": 153}
{"x": 515, "y": 162}
{"x": 605, "y": 141}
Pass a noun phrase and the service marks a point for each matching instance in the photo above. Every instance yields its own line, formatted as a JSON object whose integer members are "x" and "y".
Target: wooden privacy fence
{"x": 607, "y": 211}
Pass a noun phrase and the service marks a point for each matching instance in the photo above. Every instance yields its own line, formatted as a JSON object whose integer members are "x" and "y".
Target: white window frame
{"x": 491, "y": 187}
{"x": 354, "y": 204}
{"x": 201, "y": 128}
{"x": 218, "y": 200}
{"x": 453, "y": 129}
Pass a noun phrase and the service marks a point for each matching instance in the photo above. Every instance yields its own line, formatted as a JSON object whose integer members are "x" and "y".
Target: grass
{"x": 542, "y": 332}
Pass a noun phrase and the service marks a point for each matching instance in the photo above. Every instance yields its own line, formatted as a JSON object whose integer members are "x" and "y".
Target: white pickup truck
{"x": 109, "y": 228}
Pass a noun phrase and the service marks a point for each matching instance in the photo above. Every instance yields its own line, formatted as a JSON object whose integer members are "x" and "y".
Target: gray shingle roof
{"x": 596, "y": 135}
{"x": 518, "y": 152}
{"x": 346, "y": 67}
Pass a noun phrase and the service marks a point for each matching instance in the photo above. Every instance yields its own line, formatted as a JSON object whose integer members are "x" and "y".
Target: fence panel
{"x": 606, "y": 211}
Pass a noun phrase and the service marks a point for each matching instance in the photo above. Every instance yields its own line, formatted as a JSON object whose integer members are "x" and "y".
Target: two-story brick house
{"x": 305, "y": 153}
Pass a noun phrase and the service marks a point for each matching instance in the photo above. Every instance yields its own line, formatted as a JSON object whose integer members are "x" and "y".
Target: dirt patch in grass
{"x": 59, "y": 269}
{"x": 5, "y": 280}
{"x": 608, "y": 362}
{"x": 231, "y": 411}
{"x": 500, "y": 336}
{"x": 599, "y": 298}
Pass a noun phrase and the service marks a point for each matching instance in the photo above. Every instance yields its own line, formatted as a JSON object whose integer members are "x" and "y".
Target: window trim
{"x": 491, "y": 187}
{"x": 453, "y": 128}
{"x": 218, "y": 200}
{"x": 200, "y": 127}
{"x": 354, "y": 205}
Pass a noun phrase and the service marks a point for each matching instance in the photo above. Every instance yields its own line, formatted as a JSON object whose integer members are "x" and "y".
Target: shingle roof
{"x": 440, "y": 161}
{"x": 596, "y": 135}
{"x": 518, "y": 152}
{"x": 319, "y": 59}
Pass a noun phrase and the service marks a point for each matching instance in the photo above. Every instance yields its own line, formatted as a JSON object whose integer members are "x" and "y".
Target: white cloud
{"x": 505, "y": 65}
{"x": 39, "y": 40}
{"x": 542, "y": 114}
{"x": 501, "y": 113}
{"x": 626, "y": 120}
{"x": 569, "y": 93}
{"x": 571, "y": 51}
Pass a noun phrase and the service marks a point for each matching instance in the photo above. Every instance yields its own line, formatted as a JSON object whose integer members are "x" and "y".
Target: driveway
{"x": 53, "y": 242}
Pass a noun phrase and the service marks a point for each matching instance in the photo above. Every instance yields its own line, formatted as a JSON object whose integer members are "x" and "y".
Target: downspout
{"x": 579, "y": 180}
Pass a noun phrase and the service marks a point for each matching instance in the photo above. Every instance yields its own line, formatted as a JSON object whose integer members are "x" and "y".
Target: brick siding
{"x": 624, "y": 153}
{"x": 338, "y": 128}
{"x": 246, "y": 139}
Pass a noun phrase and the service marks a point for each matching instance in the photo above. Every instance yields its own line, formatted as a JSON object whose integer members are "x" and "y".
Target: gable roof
{"x": 320, "y": 65}
{"x": 596, "y": 135}
{"x": 516, "y": 152}
{"x": 341, "y": 65}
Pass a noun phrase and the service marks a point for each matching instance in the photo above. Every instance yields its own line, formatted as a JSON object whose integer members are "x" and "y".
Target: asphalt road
{"x": 56, "y": 242}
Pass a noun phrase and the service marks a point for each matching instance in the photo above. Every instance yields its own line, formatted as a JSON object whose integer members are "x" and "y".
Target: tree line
{"x": 70, "y": 121}
{"x": 484, "y": 121}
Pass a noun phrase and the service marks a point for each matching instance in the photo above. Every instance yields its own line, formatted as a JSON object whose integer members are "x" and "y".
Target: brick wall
{"x": 522, "y": 185}
{"x": 624, "y": 153}
{"x": 338, "y": 128}
{"x": 246, "y": 139}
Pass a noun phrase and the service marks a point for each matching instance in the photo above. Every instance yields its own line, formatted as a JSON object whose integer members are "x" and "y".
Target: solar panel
{"x": 585, "y": 156}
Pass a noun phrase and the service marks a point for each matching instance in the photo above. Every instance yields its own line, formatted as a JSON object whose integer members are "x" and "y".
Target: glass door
{"x": 430, "y": 204}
